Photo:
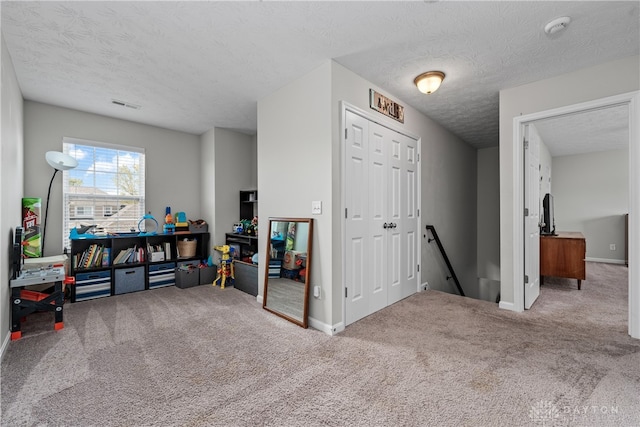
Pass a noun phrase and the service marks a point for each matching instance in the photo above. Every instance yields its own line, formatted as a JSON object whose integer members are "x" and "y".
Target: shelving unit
{"x": 246, "y": 273}
{"x": 248, "y": 204}
{"x": 97, "y": 275}
{"x": 248, "y": 244}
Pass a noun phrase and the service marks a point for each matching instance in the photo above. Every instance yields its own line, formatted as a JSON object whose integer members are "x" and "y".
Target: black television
{"x": 548, "y": 222}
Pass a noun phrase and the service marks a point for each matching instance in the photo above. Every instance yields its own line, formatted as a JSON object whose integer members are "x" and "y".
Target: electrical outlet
{"x": 316, "y": 292}
{"x": 316, "y": 207}
{"x": 612, "y": 247}
{"x": 425, "y": 286}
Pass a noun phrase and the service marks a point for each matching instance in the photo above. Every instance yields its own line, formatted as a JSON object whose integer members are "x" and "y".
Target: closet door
{"x": 358, "y": 275}
{"x": 381, "y": 222}
{"x": 378, "y": 217}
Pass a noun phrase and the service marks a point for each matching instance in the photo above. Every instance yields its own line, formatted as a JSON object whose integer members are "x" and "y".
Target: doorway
{"x": 520, "y": 123}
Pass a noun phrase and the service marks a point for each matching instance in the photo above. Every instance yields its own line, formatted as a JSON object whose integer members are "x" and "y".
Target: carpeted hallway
{"x": 204, "y": 356}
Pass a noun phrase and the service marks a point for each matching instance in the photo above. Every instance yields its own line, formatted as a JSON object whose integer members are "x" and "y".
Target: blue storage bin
{"x": 275, "y": 266}
{"x": 162, "y": 275}
{"x": 129, "y": 280}
{"x": 92, "y": 285}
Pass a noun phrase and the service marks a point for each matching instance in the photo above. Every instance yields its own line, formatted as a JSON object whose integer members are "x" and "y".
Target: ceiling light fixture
{"x": 557, "y": 24}
{"x": 429, "y": 82}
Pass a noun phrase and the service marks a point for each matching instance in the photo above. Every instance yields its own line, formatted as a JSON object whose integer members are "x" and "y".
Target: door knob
{"x": 385, "y": 225}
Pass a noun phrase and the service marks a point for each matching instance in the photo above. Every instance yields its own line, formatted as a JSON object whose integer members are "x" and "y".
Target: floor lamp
{"x": 59, "y": 162}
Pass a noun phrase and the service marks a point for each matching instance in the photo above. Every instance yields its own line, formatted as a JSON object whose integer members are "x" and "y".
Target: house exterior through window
{"x": 107, "y": 189}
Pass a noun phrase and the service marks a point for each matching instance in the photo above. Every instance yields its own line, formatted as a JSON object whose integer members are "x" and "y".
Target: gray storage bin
{"x": 208, "y": 275}
{"x": 246, "y": 277}
{"x": 193, "y": 262}
{"x": 129, "y": 280}
{"x": 187, "y": 278}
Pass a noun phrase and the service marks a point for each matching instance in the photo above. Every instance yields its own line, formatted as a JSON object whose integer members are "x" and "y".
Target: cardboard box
{"x": 31, "y": 227}
{"x": 290, "y": 258}
{"x": 157, "y": 256}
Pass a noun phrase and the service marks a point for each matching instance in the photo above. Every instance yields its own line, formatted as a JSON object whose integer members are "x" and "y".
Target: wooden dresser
{"x": 563, "y": 256}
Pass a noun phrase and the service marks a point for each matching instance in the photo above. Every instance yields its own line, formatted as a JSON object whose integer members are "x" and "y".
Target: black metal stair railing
{"x": 453, "y": 276}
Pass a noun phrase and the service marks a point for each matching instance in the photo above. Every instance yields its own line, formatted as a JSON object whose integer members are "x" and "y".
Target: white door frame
{"x": 631, "y": 99}
{"x": 344, "y": 107}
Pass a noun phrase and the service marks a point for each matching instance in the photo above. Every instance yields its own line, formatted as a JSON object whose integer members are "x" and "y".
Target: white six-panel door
{"x": 381, "y": 228}
{"x": 532, "y": 186}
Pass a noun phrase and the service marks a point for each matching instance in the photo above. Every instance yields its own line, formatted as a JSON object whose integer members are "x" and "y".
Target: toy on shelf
{"x": 82, "y": 232}
{"x": 169, "y": 226}
{"x": 146, "y": 231}
{"x": 225, "y": 266}
{"x": 181, "y": 222}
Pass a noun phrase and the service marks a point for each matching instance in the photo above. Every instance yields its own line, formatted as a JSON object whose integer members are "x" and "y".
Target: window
{"x": 84, "y": 211}
{"x": 107, "y": 189}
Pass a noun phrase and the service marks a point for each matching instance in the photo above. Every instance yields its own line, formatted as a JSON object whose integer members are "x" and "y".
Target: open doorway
{"x": 628, "y": 101}
{"x": 584, "y": 189}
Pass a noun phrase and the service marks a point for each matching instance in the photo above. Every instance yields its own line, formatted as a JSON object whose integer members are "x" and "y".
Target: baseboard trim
{"x": 606, "y": 260}
{"x": 5, "y": 345}
{"x": 507, "y": 306}
{"x": 326, "y": 328}
{"x": 259, "y": 299}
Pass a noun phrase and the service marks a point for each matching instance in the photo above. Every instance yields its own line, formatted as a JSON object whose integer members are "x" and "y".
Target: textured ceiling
{"x": 193, "y": 66}
{"x": 586, "y": 132}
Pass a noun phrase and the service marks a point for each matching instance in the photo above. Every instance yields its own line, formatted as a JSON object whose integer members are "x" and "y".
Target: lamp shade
{"x": 60, "y": 161}
{"x": 429, "y": 82}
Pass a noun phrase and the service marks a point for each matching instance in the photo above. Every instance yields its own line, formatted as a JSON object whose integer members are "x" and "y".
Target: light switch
{"x": 316, "y": 207}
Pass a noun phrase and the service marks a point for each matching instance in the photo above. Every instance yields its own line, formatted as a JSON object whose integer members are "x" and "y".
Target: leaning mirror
{"x": 287, "y": 272}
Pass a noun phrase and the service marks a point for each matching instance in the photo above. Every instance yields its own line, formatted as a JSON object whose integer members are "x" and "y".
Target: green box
{"x": 31, "y": 225}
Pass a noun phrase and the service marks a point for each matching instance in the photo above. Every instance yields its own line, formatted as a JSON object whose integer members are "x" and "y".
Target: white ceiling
{"x": 586, "y": 132}
{"x": 193, "y": 66}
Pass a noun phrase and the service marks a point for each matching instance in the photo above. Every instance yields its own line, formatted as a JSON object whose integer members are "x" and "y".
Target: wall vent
{"x": 125, "y": 104}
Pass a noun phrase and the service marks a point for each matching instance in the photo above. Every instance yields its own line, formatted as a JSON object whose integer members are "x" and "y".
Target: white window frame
{"x": 84, "y": 214}
{"x": 97, "y": 196}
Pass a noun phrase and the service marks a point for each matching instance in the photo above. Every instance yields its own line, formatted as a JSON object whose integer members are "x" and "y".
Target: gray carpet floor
{"x": 209, "y": 357}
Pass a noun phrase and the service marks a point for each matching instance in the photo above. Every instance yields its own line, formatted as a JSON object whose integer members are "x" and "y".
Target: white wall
{"x": 567, "y": 89}
{"x": 11, "y": 180}
{"x": 488, "y": 223}
{"x": 546, "y": 167}
{"x": 234, "y": 153}
{"x": 448, "y": 177}
{"x": 208, "y": 182}
{"x": 228, "y": 164}
{"x": 591, "y": 195}
{"x": 294, "y": 168}
{"x": 304, "y": 118}
{"x": 172, "y": 160}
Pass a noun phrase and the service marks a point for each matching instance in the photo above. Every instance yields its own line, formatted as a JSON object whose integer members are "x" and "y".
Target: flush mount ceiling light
{"x": 557, "y": 24}
{"x": 429, "y": 82}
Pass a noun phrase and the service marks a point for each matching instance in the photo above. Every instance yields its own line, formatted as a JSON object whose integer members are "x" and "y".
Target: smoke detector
{"x": 558, "y": 24}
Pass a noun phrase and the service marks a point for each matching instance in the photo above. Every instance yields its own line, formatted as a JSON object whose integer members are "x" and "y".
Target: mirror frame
{"x": 305, "y": 310}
